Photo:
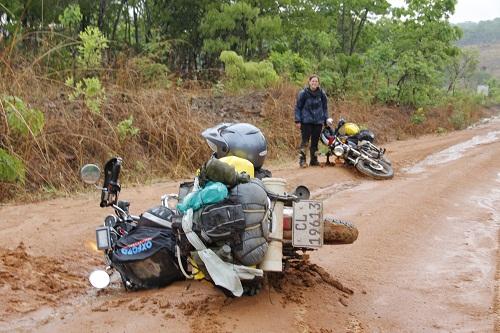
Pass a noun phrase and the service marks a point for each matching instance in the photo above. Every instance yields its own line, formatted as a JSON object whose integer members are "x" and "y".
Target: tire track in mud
{"x": 38, "y": 285}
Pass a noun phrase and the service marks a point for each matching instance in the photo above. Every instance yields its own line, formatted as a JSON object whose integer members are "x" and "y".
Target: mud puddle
{"x": 452, "y": 153}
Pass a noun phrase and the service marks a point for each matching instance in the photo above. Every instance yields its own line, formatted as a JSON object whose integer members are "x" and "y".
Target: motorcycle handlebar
{"x": 111, "y": 186}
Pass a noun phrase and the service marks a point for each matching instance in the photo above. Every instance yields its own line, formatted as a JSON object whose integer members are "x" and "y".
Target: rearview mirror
{"x": 90, "y": 173}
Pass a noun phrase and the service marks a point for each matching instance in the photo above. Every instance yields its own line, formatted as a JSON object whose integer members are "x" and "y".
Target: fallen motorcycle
{"x": 355, "y": 147}
{"x": 227, "y": 227}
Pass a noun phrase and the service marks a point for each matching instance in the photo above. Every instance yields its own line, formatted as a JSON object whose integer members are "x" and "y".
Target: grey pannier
{"x": 253, "y": 198}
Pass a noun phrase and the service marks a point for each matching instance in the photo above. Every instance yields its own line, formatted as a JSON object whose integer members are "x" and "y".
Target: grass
{"x": 168, "y": 143}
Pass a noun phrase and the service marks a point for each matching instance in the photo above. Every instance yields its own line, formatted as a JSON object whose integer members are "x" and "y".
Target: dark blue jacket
{"x": 311, "y": 107}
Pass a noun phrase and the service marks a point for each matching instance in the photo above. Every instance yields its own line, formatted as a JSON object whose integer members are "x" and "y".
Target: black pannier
{"x": 224, "y": 221}
{"x": 146, "y": 258}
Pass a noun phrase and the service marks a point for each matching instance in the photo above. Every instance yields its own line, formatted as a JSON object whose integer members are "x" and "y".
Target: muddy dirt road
{"x": 426, "y": 259}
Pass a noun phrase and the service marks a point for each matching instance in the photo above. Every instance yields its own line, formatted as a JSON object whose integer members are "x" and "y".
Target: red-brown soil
{"x": 426, "y": 259}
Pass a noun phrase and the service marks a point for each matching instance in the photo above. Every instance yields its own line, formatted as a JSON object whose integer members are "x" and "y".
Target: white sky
{"x": 470, "y": 10}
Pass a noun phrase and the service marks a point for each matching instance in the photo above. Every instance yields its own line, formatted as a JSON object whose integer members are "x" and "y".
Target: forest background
{"x": 85, "y": 80}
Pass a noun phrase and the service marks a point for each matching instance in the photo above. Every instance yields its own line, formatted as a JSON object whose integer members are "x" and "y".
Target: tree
{"x": 462, "y": 68}
{"x": 239, "y": 27}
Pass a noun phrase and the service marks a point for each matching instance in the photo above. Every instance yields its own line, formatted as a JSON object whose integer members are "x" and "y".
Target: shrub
{"x": 291, "y": 65}
{"x": 218, "y": 89}
{"x": 126, "y": 128}
{"x": 23, "y": 120}
{"x": 90, "y": 51}
{"x": 91, "y": 90}
{"x": 11, "y": 168}
{"x": 250, "y": 74}
{"x": 418, "y": 117}
{"x": 149, "y": 73}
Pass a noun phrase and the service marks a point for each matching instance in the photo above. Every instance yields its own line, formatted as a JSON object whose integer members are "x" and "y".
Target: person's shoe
{"x": 302, "y": 160}
{"x": 314, "y": 162}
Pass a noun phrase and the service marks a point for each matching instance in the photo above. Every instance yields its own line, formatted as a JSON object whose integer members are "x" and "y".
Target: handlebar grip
{"x": 115, "y": 171}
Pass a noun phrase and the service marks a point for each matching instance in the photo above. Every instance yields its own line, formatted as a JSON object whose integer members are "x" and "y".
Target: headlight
{"x": 338, "y": 151}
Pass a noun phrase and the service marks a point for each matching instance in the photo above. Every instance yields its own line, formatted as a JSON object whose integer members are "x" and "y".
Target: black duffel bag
{"x": 146, "y": 258}
{"x": 223, "y": 221}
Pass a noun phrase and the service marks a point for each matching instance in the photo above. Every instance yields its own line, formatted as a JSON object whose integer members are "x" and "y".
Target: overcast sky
{"x": 470, "y": 10}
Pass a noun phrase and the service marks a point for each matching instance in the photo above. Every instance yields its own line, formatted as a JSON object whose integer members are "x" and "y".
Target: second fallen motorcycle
{"x": 355, "y": 147}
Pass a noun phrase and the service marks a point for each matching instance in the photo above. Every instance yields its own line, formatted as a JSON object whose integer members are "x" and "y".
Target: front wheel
{"x": 378, "y": 170}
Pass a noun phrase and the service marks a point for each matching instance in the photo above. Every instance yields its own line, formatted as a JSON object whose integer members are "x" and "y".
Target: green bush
{"x": 290, "y": 65}
{"x": 23, "y": 120}
{"x": 91, "y": 90}
{"x": 71, "y": 17}
{"x": 90, "y": 50}
{"x": 464, "y": 104}
{"x": 126, "y": 129}
{"x": 11, "y": 168}
{"x": 241, "y": 74}
{"x": 149, "y": 73}
{"x": 418, "y": 117}
{"x": 218, "y": 89}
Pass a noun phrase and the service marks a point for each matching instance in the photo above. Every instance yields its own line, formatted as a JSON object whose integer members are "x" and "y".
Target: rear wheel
{"x": 339, "y": 232}
{"x": 378, "y": 170}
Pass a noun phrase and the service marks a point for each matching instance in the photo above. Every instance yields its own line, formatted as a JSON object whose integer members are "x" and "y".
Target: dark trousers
{"x": 310, "y": 132}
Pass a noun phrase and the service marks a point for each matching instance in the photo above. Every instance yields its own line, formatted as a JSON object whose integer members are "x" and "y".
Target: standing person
{"x": 311, "y": 112}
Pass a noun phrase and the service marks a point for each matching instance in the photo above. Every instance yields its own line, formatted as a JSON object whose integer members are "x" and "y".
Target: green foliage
{"x": 464, "y": 104}
{"x": 149, "y": 73}
{"x": 290, "y": 65}
{"x": 418, "y": 116}
{"x": 71, "y": 17}
{"x": 218, "y": 89}
{"x": 90, "y": 51}
{"x": 441, "y": 130}
{"x": 362, "y": 49}
{"x": 91, "y": 90}
{"x": 494, "y": 91}
{"x": 11, "y": 168}
{"x": 22, "y": 119}
{"x": 239, "y": 27}
{"x": 251, "y": 74}
{"x": 461, "y": 68}
{"x": 126, "y": 129}
{"x": 158, "y": 49}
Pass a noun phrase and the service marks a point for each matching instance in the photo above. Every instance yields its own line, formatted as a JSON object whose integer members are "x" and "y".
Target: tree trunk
{"x": 117, "y": 19}
{"x": 100, "y": 18}
{"x": 147, "y": 23}
{"x": 136, "y": 30}
{"x": 342, "y": 27}
{"x": 354, "y": 41}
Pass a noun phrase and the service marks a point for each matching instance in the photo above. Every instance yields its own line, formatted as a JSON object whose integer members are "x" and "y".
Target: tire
{"x": 375, "y": 155}
{"x": 338, "y": 232}
{"x": 365, "y": 167}
{"x": 386, "y": 160}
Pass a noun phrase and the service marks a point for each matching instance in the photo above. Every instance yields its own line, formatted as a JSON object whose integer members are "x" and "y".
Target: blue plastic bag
{"x": 213, "y": 192}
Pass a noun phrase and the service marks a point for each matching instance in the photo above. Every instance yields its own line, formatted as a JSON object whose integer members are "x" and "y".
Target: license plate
{"x": 307, "y": 228}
